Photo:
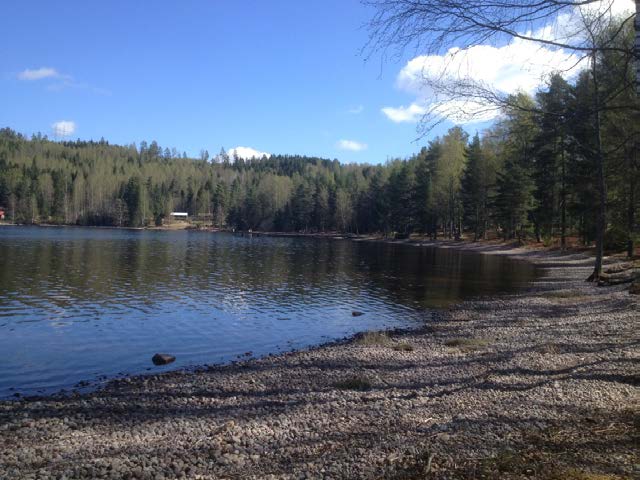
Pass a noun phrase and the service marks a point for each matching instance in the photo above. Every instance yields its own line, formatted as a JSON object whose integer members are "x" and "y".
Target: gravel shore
{"x": 543, "y": 384}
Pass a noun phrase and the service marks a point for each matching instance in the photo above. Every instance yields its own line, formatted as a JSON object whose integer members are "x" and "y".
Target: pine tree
{"x": 550, "y": 159}
{"x": 513, "y": 199}
{"x": 474, "y": 189}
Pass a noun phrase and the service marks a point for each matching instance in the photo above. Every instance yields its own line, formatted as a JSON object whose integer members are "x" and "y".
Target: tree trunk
{"x": 563, "y": 206}
{"x": 637, "y": 47}
{"x": 602, "y": 189}
{"x": 12, "y": 207}
{"x": 476, "y": 233}
{"x": 631, "y": 205}
{"x": 631, "y": 217}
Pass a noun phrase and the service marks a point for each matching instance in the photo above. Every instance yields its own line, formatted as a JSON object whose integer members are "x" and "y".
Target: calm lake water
{"x": 80, "y": 304}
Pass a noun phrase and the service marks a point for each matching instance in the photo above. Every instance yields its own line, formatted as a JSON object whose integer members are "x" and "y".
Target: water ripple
{"x": 77, "y": 304}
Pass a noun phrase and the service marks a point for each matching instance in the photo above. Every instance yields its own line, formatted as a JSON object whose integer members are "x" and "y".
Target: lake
{"x": 86, "y": 304}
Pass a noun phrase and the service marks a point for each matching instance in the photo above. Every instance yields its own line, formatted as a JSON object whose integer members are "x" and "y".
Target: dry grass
{"x": 549, "y": 348}
{"x": 508, "y": 464}
{"x": 578, "y": 475}
{"x": 360, "y": 384}
{"x": 373, "y": 338}
{"x": 403, "y": 347}
{"x": 467, "y": 344}
{"x": 381, "y": 339}
{"x": 504, "y": 465}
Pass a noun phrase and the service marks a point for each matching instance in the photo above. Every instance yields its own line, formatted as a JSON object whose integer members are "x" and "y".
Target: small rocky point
{"x": 543, "y": 384}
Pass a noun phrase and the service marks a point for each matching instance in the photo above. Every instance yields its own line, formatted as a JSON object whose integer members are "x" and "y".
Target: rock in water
{"x": 356, "y": 313}
{"x": 162, "y": 359}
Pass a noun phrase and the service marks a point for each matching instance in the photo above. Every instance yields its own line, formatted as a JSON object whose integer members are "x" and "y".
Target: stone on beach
{"x": 162, "y": 359}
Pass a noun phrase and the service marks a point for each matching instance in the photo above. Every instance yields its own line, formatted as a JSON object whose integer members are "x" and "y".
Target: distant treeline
{"x": 532, "y": 173}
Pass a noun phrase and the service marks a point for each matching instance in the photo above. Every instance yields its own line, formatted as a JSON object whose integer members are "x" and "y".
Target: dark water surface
{"x": 78, "y": 304}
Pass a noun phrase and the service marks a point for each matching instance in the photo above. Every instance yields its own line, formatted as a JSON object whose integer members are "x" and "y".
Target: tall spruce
{"x": 475, "y": 189}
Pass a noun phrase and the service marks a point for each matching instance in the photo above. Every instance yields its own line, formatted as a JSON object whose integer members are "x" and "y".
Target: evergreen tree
{"x": 475, "y": 189}
{"x": 513, "y": 199}
{"x": 132, "y": 196}
{"x": 399, "y": 194}
{"x": 550, "y": 159}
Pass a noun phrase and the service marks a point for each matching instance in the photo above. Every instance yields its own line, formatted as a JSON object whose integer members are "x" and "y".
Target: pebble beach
{"x": 542, "y": 384}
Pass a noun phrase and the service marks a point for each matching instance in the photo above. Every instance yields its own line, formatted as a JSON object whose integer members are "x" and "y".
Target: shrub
{"x": 354, "y": 383}
{"x": 615, "y": 239}
{"x": 373, "y": 338}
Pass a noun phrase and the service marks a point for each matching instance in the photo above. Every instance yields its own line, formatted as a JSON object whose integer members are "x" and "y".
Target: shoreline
{"x": 479, "y": 388}
{"x": 480, "y": 246}
{"x": 87, "y": 386}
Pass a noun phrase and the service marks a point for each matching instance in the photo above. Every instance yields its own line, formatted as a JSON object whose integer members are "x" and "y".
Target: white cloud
{"x": 247, "y": 152}
{"x": 520, "y": 65}
{"x": 59, "y": 81}
{"x": 351, "y": 145}
{"x": 517, "y": 66}
{"x": 63, "y": 128}
{"x": 613, "y": 7}
{"x": 38, "y": 73}
{"x": 456, "y": 110}
{"x": 410, "y": 114}
{"x": 569, "y": 25}
{"x": 356, "y": 110}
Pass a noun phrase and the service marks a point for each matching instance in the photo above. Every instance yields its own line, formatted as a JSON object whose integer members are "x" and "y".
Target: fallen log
{"x": 618, "y": 268}
{"x": 607, "y": 279}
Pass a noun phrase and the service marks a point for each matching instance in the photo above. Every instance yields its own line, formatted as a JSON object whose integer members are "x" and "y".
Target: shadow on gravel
{"x": 223, "y": 391}
{"x": 518, "y": 404}
{"x": 599, "y": 441}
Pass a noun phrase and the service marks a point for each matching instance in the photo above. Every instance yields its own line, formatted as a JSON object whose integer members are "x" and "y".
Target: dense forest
{"x": 533, "y": 173}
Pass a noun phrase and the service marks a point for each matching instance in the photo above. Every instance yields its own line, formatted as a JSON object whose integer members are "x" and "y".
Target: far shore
{"x": 542, "y": 384}
{"x": 482, "y": 246}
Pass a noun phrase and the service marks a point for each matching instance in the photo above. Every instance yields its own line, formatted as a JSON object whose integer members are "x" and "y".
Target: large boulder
{"x": 162, "y": 359}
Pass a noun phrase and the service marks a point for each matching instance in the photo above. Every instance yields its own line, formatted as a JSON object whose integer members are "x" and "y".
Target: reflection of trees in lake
{"x": 65, "y": 266}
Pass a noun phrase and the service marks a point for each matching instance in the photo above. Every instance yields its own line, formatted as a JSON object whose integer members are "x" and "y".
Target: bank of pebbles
{"x": 562, "y": 357}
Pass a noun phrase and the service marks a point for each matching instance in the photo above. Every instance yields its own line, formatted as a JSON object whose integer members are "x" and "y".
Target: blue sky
{"x": 280, "y": 77}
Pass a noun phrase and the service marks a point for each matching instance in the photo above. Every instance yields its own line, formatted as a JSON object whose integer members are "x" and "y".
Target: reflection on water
{"x": 79, "y": 303}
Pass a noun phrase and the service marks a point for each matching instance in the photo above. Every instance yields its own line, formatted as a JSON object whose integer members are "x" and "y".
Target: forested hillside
{"x": 532, "y": 174}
